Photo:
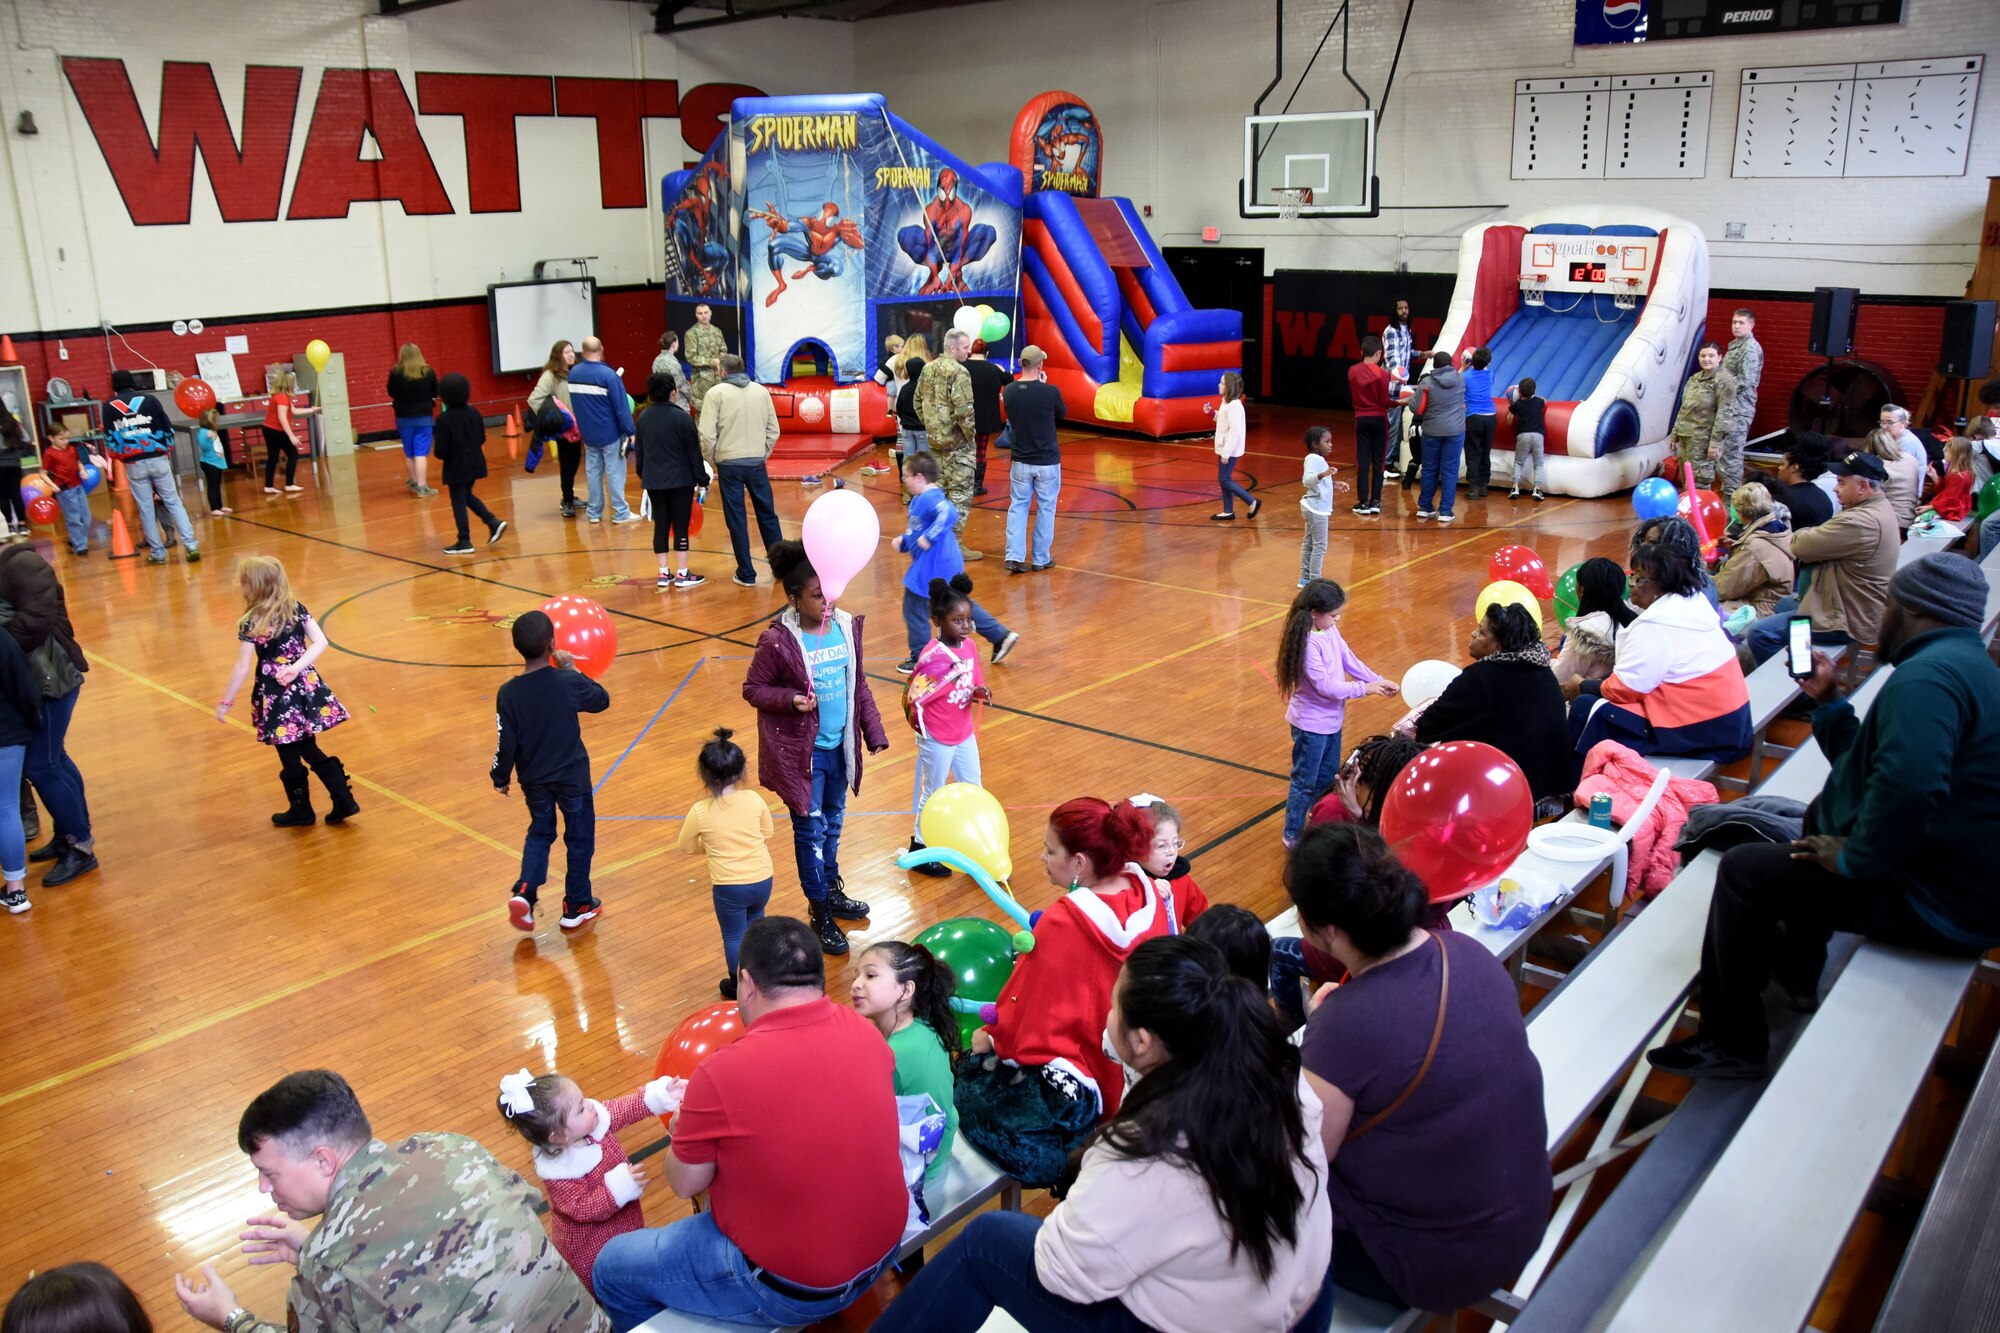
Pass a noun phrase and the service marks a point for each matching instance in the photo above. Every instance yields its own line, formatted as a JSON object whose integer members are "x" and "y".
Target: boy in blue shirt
{"x": 934, "y": 554}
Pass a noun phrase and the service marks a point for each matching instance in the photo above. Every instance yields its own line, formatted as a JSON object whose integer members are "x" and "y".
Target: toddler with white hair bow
{"x": 593, "y": 1187}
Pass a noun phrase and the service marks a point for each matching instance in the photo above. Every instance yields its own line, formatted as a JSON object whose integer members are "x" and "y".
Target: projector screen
{"x": 527, "y": 318}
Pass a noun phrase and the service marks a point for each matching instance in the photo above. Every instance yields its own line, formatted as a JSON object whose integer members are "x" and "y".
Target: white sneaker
{"x": 1426, "y": 513}
{"x": 629, "y": 518}
{"x": 1514, "y": 494}
{"x": 1445, "y": 518}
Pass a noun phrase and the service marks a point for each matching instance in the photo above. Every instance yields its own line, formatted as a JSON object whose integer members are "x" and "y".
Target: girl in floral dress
{"x": 289, "y": 705}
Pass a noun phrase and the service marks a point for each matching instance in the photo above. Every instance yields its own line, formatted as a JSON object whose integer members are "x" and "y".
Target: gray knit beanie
{"x": 1945, "y": 586}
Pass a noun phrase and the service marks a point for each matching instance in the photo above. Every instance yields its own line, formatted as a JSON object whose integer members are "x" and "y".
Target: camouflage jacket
{"x": 944, "y": 404}
{"x": 701, "y": 344}
{"x": 433, "y": 1235}
{"x": 1705, "y": 397}
{"x": 1744, "y": 363}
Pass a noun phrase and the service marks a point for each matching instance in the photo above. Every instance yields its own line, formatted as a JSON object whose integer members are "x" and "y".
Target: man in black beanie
{"x": 1894, "y": 846}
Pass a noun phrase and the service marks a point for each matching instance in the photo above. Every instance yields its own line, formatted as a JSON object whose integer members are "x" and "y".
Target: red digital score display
{"x": 1586, "y": 272}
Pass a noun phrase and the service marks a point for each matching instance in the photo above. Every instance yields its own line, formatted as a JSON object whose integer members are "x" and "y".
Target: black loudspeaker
{"x": 1967, "y": 350}
{"x": 1833, "y": 321}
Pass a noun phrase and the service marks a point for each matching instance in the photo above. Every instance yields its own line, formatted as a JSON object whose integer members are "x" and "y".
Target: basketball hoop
{"x": 1290, "y": 201}
{"x": 1534, "y": 288}
{"x": 1628, "y": 298}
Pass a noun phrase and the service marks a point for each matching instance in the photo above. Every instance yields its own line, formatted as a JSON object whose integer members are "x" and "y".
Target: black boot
{"x": 298, "y": 789}
{"x": 335, "y": 777}
{"x": 842, "y": 906}
{"x": 934, "y": 869}
{"x": 832, "y": 938}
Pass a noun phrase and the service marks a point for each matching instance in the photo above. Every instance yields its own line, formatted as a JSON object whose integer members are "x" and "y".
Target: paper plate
{"x": 1568, "y": 841}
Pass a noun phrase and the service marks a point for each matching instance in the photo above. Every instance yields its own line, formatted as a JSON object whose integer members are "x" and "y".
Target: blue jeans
{"x": 13, "y": 844}
{"x": 734, "y": 478}
{"x": 1225, "y": 477}
{"x": 695, "y": 1269}
{"x": 912, "y": 442}
{"x": 816, "y": 831}
{"x": 604, "y": 469}
{"x": 1766, "y": 636}
{"x": 1289, "y": 974}
{"x": 917, "y": 622}
{"x": 1315, "y": 764}
{"x": 54, "y": 774}
{"x": 992, "y": 1265}
{"x": 1040, "y": 483}
{"x": 155, "y": 476}
{"x": 1989, "y": 535}
{"x": 736, "y": 906}
{"x": 75, "y": 503}
{"x": 579, "y": 813}
{"x": 1441, "y": 455}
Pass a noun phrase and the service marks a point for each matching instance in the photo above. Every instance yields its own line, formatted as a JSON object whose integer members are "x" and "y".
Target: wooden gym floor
{"x": 148, "y": 1002}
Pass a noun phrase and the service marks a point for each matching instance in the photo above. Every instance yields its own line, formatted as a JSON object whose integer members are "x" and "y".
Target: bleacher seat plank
{"x": 1754, "y": 1245}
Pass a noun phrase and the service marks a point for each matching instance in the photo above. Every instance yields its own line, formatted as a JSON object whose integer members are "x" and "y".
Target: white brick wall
{"x": 1172, "y": 79}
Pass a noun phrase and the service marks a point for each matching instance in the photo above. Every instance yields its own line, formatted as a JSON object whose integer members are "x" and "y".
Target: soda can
{"x": 1600, "y": 810}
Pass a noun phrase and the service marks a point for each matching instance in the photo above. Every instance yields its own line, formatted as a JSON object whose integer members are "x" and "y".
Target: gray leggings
{"x": 1527, "y": 445}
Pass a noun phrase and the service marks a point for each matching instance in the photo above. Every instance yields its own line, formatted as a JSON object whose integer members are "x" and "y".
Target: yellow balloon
{"x": 1507, "y": 593}
{"x": 966, "y": 819}
{"x": 317, "y": 352}
{"x": 984, "y": 310}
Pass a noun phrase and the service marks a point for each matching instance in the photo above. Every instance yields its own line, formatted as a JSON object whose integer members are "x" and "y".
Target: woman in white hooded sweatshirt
{"x": 1201, "y": 1205}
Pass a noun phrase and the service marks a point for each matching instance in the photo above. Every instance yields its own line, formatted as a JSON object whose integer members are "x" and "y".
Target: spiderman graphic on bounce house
{"x": 816, "y": 244}
{"x": 947, "y": 240}
{"x": 1066, "y": 148}
{"x": 693, "y": 222}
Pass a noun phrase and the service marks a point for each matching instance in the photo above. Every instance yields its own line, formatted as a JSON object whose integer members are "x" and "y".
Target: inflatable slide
{"x": 1604, "y": 307}
{"x": 1125, "y": 347}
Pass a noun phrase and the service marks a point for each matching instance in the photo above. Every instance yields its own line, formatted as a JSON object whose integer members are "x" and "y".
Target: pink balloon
{"x": 841, "y": 533}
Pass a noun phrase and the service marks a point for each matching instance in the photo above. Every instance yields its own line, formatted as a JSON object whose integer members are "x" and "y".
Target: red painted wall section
{"x": 1902, "y": 339}
{"x": 453, "y": 337}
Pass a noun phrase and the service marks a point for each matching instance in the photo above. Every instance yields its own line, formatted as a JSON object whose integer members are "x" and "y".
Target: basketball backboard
{"x": 1330, "y": 153}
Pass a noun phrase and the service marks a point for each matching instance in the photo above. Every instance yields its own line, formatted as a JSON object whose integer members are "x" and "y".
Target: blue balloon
{"x": 1655, "y": 497}
{"x": 93, "y": 477}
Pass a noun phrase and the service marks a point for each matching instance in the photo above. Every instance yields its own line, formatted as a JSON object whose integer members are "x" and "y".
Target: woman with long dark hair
{"x": 1423, "y": 1047}
{"x": 1201, "y": 1205}
{"x": 1590, "y": 637}
{"x": 1507, "y": 698}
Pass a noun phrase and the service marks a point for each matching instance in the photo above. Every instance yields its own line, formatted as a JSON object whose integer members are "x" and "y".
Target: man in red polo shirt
{"x": 792, "y": 1132}
{"x": 1368, "y": 387}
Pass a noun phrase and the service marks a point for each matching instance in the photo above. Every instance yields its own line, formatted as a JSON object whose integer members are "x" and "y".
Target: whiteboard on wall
{"x": 1659, "y": 126}
{"x": 528, "y": 318}
{"x": 1885, "y": 118}
{"x": 1561, "y": 127}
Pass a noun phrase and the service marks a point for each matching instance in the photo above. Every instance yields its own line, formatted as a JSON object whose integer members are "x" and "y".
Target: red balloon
{"x": 1714, "y": 517}
{"x": 194, "y": 396}
{"x": 1524, "y": 567}
{"x": 694, "y": 522}
{"x": 43, "y": 509}
{"x": 705, "y": 1030}
{"x": 1457, "y": 816}
{"x": 585, "y": 631}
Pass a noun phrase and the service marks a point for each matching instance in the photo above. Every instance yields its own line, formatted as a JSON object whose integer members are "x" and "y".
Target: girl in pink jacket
{"x": 1318, "y": 673}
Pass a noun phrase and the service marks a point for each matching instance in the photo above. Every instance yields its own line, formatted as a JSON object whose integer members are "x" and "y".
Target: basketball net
{"x": 1290, "y": 201}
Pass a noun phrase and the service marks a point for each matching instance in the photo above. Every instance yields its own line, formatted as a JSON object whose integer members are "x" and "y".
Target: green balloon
{"x": 980, "y": 955}
{"x": 995, "y": 328}
{"x": 1989, "y": 498}
{"x": 1566, "y": 602}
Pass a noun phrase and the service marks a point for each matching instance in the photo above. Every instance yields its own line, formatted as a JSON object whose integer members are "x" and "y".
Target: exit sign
{"x": 1211, "y": 234}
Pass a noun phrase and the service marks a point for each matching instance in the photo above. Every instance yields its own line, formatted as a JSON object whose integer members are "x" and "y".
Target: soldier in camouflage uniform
{"x": 944, "y": 402}
{"x": 703, "y": 343}
{"x": 1744, "y": 362}
{"x": 1706, "y": 395}
{"x": 430, "y": 1235}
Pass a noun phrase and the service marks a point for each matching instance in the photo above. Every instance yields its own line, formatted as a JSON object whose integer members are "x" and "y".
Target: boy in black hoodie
{"x": 459, "y": 439}
{"x": 541, "y": 742}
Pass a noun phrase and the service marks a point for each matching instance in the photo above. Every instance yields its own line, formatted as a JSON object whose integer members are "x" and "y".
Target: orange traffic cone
{"x": 513, "y": 424}
{"x": 119, "y": 481}
{"x": 7, "y": 356}
{"x": 121, "y": 539}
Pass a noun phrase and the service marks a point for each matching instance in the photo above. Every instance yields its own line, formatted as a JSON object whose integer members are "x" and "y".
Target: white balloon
{"x": 967, "y": 319}
{"x": 1425, "y": 681}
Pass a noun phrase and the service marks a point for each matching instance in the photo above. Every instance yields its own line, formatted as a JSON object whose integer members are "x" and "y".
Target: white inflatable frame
{"x": 1647, "y": 371}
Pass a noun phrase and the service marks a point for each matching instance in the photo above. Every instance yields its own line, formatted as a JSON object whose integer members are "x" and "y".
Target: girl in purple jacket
{"x": 1318, "y": 673}
{"x": 815, "y": 714}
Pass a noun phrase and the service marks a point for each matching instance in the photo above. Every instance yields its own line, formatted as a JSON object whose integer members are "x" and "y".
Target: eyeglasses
{"x": 1168, "y": 845}
{"x": 1641, "y": 578}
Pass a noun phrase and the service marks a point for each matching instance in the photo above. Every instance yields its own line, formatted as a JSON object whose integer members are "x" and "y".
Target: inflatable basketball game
{"x": 1604, "y": 308}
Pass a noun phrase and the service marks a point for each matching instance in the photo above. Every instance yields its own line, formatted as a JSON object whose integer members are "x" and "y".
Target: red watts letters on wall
{"x": 155, "y": 175}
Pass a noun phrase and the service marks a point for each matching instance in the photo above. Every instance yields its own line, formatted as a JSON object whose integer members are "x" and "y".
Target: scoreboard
{"x": 1613, "y": 22}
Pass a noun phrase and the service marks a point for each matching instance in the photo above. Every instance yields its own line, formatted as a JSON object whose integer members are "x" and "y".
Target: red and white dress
{"x": 592, "y": 1193}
